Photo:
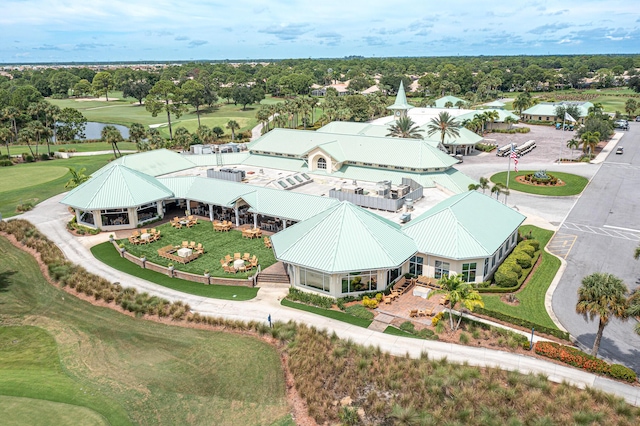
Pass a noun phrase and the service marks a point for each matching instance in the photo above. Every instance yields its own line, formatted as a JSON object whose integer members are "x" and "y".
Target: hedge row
{"x": 512, "y": 131}
{"x": 523, "y": 323}
{"x": 510, "y": 273}
{"x": 312, "y": 299}
{"x": 577, "y": 358}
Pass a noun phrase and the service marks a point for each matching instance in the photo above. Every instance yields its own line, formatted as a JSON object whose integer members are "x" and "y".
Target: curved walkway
{"x": 50, "y": 217}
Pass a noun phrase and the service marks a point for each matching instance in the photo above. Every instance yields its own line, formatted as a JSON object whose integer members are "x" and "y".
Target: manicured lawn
{"x": 37, "y": 412}
{"x": 79, "y": 147}
{"x": 394, "y": 331}
{"x": 337, "y": 315}
{"x": 531, "y": 298}
{"x": 574, "y": 184}
{"x": 106, "y": 253}
{"x": 130, "y": 371}
{"x": 216, "y": 244}
{"x": 22, "y": 174}
{"x": 128, "y": 111}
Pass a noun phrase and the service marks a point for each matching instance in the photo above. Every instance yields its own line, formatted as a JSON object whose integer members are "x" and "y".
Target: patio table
{"x": 185, "y": 252}
{"x": 421, "y": 291}
{"x": 238, "y": 263}
{"x": 145, "y": 236}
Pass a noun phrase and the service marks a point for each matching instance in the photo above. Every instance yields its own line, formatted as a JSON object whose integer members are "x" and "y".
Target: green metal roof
{"x": 502, "y": 115}
{"x": 412, "y": 153}
{"x": 350, "y": 238}
{"x": 440, "y": 103}
{"x": 470, "y": 225}
{"x": 153, "y": 163}
{"x": 466, "y": 136}
{"x": 549, "y": 108}
{"x": 495, "y": 104}
{"x": 401, "y": 100}
{"x": 451, "y": 179}
{"x": 267, "y": 201}
{"x": 116, "y": 187}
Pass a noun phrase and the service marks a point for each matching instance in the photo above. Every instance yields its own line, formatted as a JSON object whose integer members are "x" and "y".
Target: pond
{"x": 93, "y": 129}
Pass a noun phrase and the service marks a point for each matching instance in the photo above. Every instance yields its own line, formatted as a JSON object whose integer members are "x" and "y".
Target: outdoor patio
{"x": 407, "y": 302}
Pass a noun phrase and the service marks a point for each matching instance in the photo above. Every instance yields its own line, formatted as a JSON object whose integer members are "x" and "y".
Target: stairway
{"x": 273, "y": 276}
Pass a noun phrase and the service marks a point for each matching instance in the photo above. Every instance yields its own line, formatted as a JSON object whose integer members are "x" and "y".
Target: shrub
{"x": 526, "y": 247}
{"x": 408, "y": 327}
{"x": 464, "y": 338}
{"x": 436, "y": 319}
{"x": 523, "y": 323}
{"x": 369, "y": 303}
{"x": 533, "y": 243}
{"x": 296, "y": 295}
{"x": 621, "y": 372}
{"x": 6, "y": 163}
{"x": 523, "y": 259}
{"x": 24, "y": 207}
{"x": 44, "y": 157}
{"x": 28, "y": 158}
{"x": 359, "y": 311}
{"x": 506, "y": 278}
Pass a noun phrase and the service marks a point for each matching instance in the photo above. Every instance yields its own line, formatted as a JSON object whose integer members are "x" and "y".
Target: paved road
{"x": 603, "y": 230}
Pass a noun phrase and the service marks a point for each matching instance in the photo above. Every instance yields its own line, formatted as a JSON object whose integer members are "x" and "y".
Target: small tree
{"x": 404, "y": 127}
{"x": 602, "y": 295}
{"x": 233, "y": 126}
{"x": 110, "y": 134}
{"x": 77, "y": 177}
{"x": 102, "y": 83}
{"x": 458, "y": 291}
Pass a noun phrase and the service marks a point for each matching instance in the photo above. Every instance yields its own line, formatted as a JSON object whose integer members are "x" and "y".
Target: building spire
{"x": 400, "y": 106}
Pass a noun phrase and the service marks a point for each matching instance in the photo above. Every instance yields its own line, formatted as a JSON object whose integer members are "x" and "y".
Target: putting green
{"x": 26, "y": 175}
{"x": 28, "y": 411}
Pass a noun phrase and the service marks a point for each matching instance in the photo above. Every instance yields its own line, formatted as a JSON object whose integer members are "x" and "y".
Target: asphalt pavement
{"x": 600, "y": 234}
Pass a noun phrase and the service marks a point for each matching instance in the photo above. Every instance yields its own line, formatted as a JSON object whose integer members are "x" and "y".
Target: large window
{"x": 86, "y": 217}
{"x": 393, "y": 275}
{"x": 469, "y": 272}
{"x": 500, "y": 253}
{"x": 322, "y": 163}
{"x": 115, "y": 217}
{"x": 415, "y": 265}
{"x": 359, "y": 281}
{"x": 486, "y": 266}
{"x": 147, "y": 212}
{"x": 315, "y": 280}
{"x": 441, "y": 269}
{"x": 493, "y": 260}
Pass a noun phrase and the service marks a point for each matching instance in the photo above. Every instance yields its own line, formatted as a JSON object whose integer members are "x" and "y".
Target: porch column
{"x": 284, "y": 224}
{"x": 188, "y": 207}
{"x": 97, "y": 218}
{"x": 235, "y": 209}
{"x": 159, "y": 205}
{"x": 211, "y": 212}
{"x": 255, "y": 220}
{"x": 78, "y": 216}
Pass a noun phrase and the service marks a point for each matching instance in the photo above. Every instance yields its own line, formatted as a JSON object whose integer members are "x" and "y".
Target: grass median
{"x": 107, "y": 254}
{"x": 329, "y": 313}
{"x": 574, "y": 184}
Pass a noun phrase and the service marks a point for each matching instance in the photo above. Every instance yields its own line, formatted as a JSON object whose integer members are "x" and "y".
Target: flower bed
{"x": 587, "y": 362}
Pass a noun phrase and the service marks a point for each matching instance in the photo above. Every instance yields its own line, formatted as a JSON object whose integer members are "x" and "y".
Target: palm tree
{"x": 404, "y": 127}
{"x": 182, "y": 138}
{"x": 589, "y": 140}
{"x": 634, "y": 304}
{"x": 492, "y": 116}
{"x": 636, "y": 254}
{"x": 498, "y": 189}
{"x": 77, "y": 177}
{"x": 137, "y": 132}
{"x": 522, "y": 102}
{"x": 474, "y": 186}
{"x": 110, "y": 134}
{"x": 457, "y": 291}
{"x": 206, "y": 135}
{"x": 6, "y": 135}
{"x": 510, "y": 121}
{"x": 630, "y": 106}
{"x": 445, "y": 124}
{"x": 484, "y": 183}
{"x": 602, "y": 295}
{"x": 12, "y": 114}
{"x": 573, "y": 144}
{"x": 448, "y": 104}
{"x": 25, "y": 135}
{"x": 233, "y": 126}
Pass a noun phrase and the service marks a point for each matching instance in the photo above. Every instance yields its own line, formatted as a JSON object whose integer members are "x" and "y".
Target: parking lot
{"x": 550, "y": 144}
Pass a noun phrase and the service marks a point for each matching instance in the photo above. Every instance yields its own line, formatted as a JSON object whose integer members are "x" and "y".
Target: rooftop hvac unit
{"x": 403, "y": 190}
{"x": 405, "y": 217}
{"x": 408, "y": 202}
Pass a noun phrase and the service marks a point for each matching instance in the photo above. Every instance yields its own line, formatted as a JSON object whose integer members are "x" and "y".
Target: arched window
{"x": 322, "y": 163}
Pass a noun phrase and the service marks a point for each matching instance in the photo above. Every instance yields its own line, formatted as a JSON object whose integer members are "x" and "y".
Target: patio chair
{"x": 200, "y": 248}
{"x": 236, "y": 256}
{"x": 144, "y": 231}
{"x": 135, "y": 234}
{"x": 230, "y": 269}
{"x": 242, "y": 268}
{"x": 190, "y": 217}
{"x": 133, "y": 240}
{"x": 254, "y": 263}
{"x": 267, "y": 242}
{"x": 246, "y": 256}
{"x": 192, "y": 245}
{"x": 413, "y": 313}
{"x": 387, "y": 300}
{"x": 154, "y": 230}
{"x": 185, "y": 244}
{"x": 228, "y": 258}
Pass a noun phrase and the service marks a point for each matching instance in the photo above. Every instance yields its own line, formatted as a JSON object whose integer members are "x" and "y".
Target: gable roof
{"x": 411, "y": 153}
{"x": 549, "y": 108}
{"x": 352, "y": 239}
{"x": 156, "y": 162}
{"x": 440, "y": 103}
{"x": 502, "y": 115}
{"x": 470, "y": 225}
{"x": 116, "y": 187}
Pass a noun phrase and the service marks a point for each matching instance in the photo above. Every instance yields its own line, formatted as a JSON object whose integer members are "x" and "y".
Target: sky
{"x": 159, "y": 30}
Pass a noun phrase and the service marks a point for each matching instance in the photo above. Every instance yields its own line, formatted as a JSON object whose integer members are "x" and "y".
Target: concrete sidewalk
{"x": 50, "y": 218}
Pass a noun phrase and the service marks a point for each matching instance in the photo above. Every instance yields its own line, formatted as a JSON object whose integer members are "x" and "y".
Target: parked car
{"x": 620, "y": 150}
{"x": 638, "y": 118}
{"x": 621, "y": 124}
